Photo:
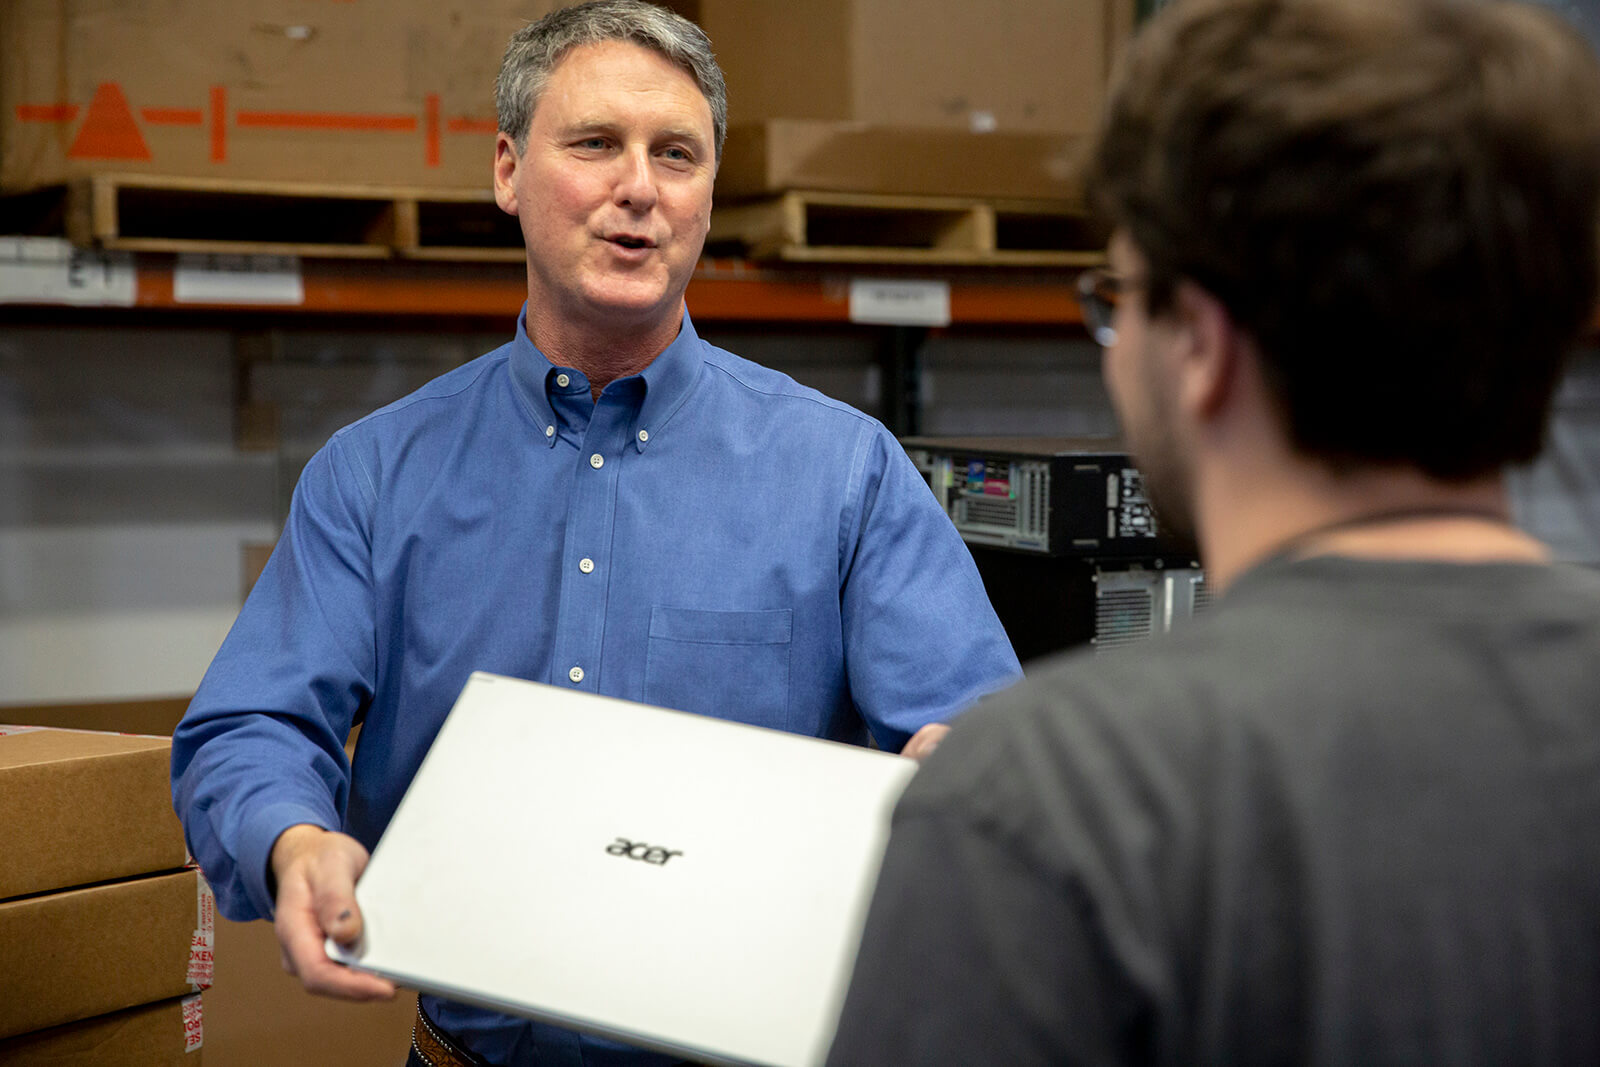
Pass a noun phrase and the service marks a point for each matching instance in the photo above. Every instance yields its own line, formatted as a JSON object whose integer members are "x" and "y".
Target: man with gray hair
{"x": 607, "y": 502}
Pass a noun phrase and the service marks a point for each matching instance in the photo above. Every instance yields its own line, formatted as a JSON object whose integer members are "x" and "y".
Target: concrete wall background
{"x": 125, "y": 506}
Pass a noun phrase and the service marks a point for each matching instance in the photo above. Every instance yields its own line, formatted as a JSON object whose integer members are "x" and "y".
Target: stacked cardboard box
{"x": 106, "y": 937}
{"x": 255, "y": 1014}
{"x": 938, "y": 97}
{"x": 401, "y": 93}
{"x": 393, "y": 93}
{"x": 1004, "y": 66}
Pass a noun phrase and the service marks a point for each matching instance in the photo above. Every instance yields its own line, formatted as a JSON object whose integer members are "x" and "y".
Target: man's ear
{"x": 506, "y": 161}
{"x": 1209, "y": 350}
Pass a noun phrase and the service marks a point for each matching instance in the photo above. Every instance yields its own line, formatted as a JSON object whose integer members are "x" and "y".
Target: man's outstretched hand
{"x": 316, "y": 873}
{"x": 924, "y": 741}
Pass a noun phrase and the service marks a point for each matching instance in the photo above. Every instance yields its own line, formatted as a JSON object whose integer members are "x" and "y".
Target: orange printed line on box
{"x": 46, "y": 112}
{"x": 462, "y": 124}
{"x": 172, "y": 116}
{"x": 431, "y": 152}
{"x": 219, "y": 124}
{"x": 324, "y": 120}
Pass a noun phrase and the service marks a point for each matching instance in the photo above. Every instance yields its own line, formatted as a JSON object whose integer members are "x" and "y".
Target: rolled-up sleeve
{"x": 922, "y": 642}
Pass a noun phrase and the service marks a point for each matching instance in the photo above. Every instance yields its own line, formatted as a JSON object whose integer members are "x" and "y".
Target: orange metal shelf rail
{"x": 721, "y": 291}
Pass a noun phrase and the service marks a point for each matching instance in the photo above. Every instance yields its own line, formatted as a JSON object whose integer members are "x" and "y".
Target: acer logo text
{"x": 638, "y": 850}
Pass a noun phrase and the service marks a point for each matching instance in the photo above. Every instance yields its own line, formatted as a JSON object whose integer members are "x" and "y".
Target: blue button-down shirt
{"x": 708, "y": 536}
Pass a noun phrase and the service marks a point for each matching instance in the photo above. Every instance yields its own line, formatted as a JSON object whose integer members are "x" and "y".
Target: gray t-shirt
{"x": 1351, "y": 817}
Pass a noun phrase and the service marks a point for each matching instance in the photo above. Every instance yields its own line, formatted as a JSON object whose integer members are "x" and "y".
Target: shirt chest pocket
{"x": 727, "y": 664}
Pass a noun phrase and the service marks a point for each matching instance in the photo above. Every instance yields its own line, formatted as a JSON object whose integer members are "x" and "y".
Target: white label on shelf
{"x": 237, "y": 279}
{"x": 48, "y": 270}
{"x": 877, "y": 302}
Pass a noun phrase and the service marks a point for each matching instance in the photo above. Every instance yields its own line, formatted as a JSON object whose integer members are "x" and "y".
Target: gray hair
{"x": 535, "y": 50}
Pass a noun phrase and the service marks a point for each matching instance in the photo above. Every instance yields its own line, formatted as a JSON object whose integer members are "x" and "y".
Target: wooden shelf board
{"x": 465, "y": 255}
{"x": 245, "y": 248}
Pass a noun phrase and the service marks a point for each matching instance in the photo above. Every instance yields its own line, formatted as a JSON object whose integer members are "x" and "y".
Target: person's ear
{"x": 1208, "y": 350}
{"x": 506, "y": 162}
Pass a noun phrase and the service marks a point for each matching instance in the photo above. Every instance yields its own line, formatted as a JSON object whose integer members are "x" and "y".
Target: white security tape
{"x": 202, "y": 946}
{"x": 194, "y": 1029}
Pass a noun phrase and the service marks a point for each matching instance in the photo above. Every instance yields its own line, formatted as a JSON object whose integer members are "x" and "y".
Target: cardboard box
{"x": 86, "y": 952}
{"x": 259, "y": 1016}
{"x": 818, "y": 155}
{"x": 402, "y": 93}
{"x": 399, "y": 92}
{"x": 1036, "y": 66}
{"x": 81, "y": 807}
{"x": 168, "y": 1033}
{"x": 154, "y": 716}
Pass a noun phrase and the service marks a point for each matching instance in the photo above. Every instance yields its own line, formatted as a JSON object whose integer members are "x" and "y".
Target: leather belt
{"x": 435, "y": 1047}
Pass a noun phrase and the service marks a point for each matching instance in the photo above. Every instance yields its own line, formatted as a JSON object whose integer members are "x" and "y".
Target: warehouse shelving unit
{"x": 436, "y": 294}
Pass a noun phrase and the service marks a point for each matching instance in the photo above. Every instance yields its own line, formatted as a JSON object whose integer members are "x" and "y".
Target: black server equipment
{"x": 1067, "y": 543}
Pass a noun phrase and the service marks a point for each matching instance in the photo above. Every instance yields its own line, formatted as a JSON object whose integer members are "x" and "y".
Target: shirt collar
{"x": 668, "y": 381}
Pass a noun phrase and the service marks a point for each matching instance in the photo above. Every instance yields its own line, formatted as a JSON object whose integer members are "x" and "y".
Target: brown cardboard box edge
{"x": 151, "y": 716}
{"x": 81, "y": 807}
{"x": 150, "y": 1035}
{"x": 90, "y": 951}
{"x": 819, "y": 155}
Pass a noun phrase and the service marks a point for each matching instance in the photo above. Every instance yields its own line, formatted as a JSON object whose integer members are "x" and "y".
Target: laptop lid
{"x": 670, "y": 880}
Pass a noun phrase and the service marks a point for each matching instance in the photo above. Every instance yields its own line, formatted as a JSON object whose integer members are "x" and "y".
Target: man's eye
{"x": 594, "y": 143}
{"x": 678, "y": 154}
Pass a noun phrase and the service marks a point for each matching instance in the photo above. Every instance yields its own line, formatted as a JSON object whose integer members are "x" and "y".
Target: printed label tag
{"x": 877, "y": 302}
{"x": 237, "y": 279}
{"x": 194, "y": 1028}
{"x": 48, "y": 270}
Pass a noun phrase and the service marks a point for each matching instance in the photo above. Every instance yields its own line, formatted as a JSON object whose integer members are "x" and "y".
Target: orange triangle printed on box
{"x": 109, "y": 131}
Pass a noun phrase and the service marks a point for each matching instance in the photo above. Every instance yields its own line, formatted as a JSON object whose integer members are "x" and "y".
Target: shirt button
{"x": 586, "y": 566}
{"x": 576, "y": 674}
{"x": 563, "y": 380}
{"x": 549, "y": 431}
{"x": 644, "y": 435}
{"x": 597, "y": 461}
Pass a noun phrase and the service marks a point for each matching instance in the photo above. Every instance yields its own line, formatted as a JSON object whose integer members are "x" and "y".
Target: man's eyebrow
{"x": 599, "y": 125}
{"x": 587, "y": 126}
{"x": 680, "y": 133}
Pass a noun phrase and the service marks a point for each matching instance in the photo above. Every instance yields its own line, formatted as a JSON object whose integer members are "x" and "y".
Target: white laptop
{"x": 669, "y": 880}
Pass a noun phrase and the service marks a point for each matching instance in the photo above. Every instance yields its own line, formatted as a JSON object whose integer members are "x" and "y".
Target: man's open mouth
{"x": 631, "y": 242}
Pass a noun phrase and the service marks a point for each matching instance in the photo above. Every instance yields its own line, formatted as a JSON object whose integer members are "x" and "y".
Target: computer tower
{"x": 1069, "y": 548}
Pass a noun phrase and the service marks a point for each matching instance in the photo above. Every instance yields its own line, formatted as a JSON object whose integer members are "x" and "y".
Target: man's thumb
{"x": 343, "y": 921}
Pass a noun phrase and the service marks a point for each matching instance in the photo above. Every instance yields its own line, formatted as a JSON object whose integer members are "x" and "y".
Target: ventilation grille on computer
{"x": 1122, "y": 617}
{"x": 990, "y": 511}
{"x": 1138, "y": 602}
{"x": 1033, "y": 492}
